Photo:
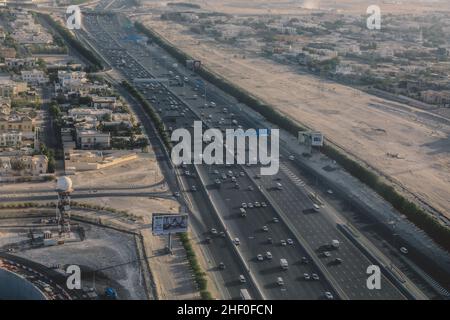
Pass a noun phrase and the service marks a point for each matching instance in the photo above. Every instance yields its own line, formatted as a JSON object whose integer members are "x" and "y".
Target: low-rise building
{"x": 103, "y": 102}
{"x": 34, "y": 76}
{"x": 10, "y": 139}
{"x": 20, "y": 63}
{"x": 23, "y": 165}
{"x": 6, "y": 52}
{"x": 10, "y": 88}
{"x": 93, "y": 139}
{"x": 22, "y": 124}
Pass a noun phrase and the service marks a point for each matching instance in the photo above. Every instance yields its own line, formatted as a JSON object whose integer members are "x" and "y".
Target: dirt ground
{"x": 395, "y": 139}
{"x": 290, "y": 7}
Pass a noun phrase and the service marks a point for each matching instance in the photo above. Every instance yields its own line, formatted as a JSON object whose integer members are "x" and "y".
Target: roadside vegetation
{"x": 87, "y": 54}
{"x": 425, "y": 221}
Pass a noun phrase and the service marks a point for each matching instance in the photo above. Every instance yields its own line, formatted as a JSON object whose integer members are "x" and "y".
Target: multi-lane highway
{"x": 179, "y": 107}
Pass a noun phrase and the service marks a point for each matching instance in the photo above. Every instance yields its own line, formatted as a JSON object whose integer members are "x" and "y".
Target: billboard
{"x": 165, "y": 223}
{"x": 193, "y": 64}
{"x": 316, "y": 139}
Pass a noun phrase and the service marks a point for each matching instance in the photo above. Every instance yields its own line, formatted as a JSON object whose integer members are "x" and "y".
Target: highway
{"x": 179, "y": 108}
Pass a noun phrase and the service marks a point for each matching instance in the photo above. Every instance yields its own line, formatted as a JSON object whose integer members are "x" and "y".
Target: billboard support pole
{"x": 170, "y": 243}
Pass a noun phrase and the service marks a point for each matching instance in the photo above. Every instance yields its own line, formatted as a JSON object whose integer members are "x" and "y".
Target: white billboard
{"x": 165, "y": 223}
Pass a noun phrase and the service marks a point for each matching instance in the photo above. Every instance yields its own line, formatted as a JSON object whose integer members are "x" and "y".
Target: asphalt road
{"x": 316, "y": 229}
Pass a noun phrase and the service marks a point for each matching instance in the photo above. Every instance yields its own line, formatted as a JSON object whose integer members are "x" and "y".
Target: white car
{"x": 265, "y": 228}
{"x": 306, "y": 276}
{"x": 260, "y": 257}
{"x": 283, "y": 242}
{"x": 243, "y": 205}
{"x": 275, "y": 220}
{"x": 280, "y": 281}
{"x": 290, "y": 242}
{"x": 237, "y": 241}
{"x": 213, "y": 231}
{"x": 291, "y": 158}
{"x": 315, "y": 276}
{"x": 242, "y": 279}
{"x": 268, "y": 255}
{"x": 404, "y": 250}
{"x": 263, "y": 204}
{"x": 327, "y": 254}
{"x": 328, "y": 295}
{"x": 250, "y": 205}
{"x": 257, "y": 204}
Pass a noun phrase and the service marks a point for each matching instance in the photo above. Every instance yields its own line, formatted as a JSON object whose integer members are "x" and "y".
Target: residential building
{"x": 23, "y": 124}
{"x": 10, "y": 88}
{"x": 93, "y": 139}
{"x": 10, "y": 139}
{"x": 34, "y": 76}
{"x": 23, "y": 165}
{"x": 7, "y": 52}
{"x": 103, "y": 102}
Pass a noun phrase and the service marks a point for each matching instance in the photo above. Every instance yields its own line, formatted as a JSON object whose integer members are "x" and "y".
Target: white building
{"x": 92, "y": 139}
{"x": 34, "y": 76}
{"x": 10, "y": 139}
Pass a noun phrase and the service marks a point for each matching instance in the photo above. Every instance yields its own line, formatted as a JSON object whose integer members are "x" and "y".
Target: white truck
{"x": 284, "y": 264}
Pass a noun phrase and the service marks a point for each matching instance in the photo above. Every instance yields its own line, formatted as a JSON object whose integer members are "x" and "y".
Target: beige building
{"x": 23, "y": 165}
{"x": 17, "y": 123}
{"x": 7, "y": 52}
{"x": 9, "y": 88}
{"x": 10, "y": 139}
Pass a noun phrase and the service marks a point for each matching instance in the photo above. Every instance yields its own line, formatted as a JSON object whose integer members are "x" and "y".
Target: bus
{"x": 245, "y": 295}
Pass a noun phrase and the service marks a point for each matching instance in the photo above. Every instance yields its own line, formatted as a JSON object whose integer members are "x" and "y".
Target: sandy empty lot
{"x": 366, "y": 126}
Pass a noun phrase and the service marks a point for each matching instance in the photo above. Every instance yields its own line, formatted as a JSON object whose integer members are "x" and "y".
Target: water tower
{"x": 64, "y": 189}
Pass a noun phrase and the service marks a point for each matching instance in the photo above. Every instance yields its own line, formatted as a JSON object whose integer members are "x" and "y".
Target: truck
{"x": 284, "y": 264}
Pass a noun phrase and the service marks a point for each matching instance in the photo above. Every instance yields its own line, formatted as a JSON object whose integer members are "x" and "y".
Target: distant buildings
{"x": 441, "y": 98}
{"x": 10, "y": 88}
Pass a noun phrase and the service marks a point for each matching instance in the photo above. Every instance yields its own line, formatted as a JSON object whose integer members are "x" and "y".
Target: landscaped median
{"x": 425, "y": 221}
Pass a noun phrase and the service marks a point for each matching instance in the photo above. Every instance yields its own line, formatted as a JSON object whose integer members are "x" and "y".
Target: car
{"x": 214, "y": 231}
{"x": 208, "y": 240}
{"x": 241, "y": 173}
{"x": 237, "y": 186}
{"x": 290, "y": 242}
{"x": 280, "y": 281}
{"x": 265, "y": 228}
{"x": 242, "y": 278}
{"x": 250, "y": 188}
{"x": 327, "y": 254}
{"x": 306, "y": 276}
{"x": 176, "y": 194}
{"x": 329, "y": 191}
{"x": 257, "y": 176}
{"x": 216, "y": 171}
{"x": 328, "y": 295}
{"x": 194, "y": 188}
{"x": 270, "y": 240}
{"x": 233, "y": 179}
{"x": 404, "y": 250}
{"x": 222, "y": 234}
{"x": 187, "y": 172}
{"x": 268, "y": 255}
{"x": 291, "y": 158}
{"x": 222, "y": 266}
{"x": 283, "y": 242}
{"x": 304, "y": 260}
{"x": 275, "y": 220}
{"x": 243, "y": 205}
{"x": 337, "y": 261}
{"x": 257, "y": 204}
{"x": 260, "y": 257}
{"x": 263, "y": 204}
{"x": 250, "y": 205}
{"x": 237, "y": 241}
{"x": 315, "y": 276}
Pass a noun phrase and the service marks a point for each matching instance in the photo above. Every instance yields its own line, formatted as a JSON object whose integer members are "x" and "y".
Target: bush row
{"x": 199, "y": 275}
{"x": 438, "y": 232}
{"x": 159, "y": 125}
{"x": 73, "y": 42}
